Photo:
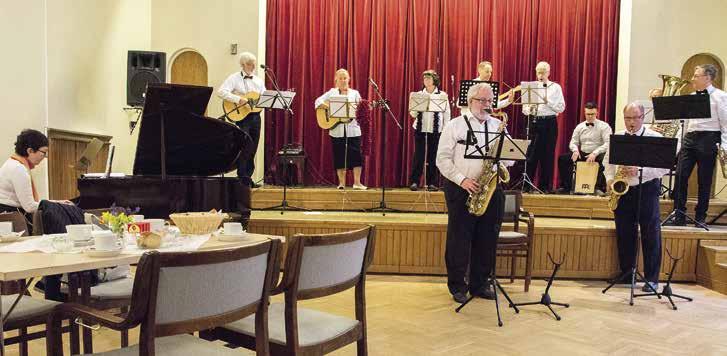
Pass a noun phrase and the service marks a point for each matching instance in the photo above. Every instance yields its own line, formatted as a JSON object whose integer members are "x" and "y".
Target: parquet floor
{"x": 414, "y": 315}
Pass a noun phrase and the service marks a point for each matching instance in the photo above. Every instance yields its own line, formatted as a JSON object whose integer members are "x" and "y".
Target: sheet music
{"x": 270, "y": 99}
{"x": 424, "y": 102}
{"x": 340, "y": 107}
{"x": 533, "y": 93}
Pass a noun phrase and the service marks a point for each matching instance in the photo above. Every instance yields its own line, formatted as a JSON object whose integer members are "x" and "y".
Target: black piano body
{"x": 180, "y": 160}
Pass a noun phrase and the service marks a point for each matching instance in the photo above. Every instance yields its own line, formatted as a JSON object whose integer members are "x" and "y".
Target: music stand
{"x": 344, "y": 110}
{"x": 464, "y": 87}
{"x": 475, "y": 150}
{"x": 424, "y": 102}
{"x": 640, "y": 151}
{"x": 531, "y": 94}
{"x": 682, "y": 107}
{"x": 279, "y": 100}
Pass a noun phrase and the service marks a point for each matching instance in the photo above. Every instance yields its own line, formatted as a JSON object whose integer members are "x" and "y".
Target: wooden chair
{"x": 517, "y": 243}
{"x": 179, "y": 293}
{"x": 315, "y": 266}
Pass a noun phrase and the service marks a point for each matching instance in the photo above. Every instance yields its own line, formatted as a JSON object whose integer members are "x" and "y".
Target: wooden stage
{"x": 413, "y": 243}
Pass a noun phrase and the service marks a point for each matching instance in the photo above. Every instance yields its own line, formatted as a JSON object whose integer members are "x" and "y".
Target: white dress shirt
{"x": 236, "y": 84}
{"x": 428, "y": 117}
{"x": 555, "y": 99}
{"x": 590, "y": 139}
{"x": 649, "y": 173}
{"x": 450, "y": 152}
{"x": 718, "y": 121}
{"x": 350, "y": 129}
{"x": 15, "y": 187}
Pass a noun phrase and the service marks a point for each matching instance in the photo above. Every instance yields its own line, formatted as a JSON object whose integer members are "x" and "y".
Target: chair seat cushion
{"x": 28, "y": 307}
{"x": 510, "y": 235}
{"x": 116, "y": 289}
{"x": 180, "y": 345}
{"x": 314, "y": 327}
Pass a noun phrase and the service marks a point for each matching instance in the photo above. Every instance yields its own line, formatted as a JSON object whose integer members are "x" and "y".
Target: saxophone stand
{"x": 667, "y": 291}
{"x": 656, "y": 152}
{"x": 382, "y": 208}
{"x": 475, "y": 151}
{"x": 681, "y": 107}
{"x": 545, "y": 298}
{"x": 280, "y": 100}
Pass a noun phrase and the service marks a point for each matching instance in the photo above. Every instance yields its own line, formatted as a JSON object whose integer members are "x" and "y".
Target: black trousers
{"x": 429, "y": 142}
{"x": 471, "y": 240}
{"x": 627, "y": 228}
{"x": 700, "y": 148}
{"x": 566, "y": 167}
{"x": 541, "y": 152}
{"x": 246, "y": 165}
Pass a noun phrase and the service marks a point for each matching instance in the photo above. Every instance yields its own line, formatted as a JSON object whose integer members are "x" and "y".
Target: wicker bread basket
{"x": 197, "y": 223}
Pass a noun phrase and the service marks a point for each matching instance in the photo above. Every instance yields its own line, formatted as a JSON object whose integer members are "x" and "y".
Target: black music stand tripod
{"x": 382, "y": 208}
{"x": 482, "y": 152}
{"x": 545, "y": 298}
{"x": 280, "y": 100}
{"x": 640, "y": 151}
{"x": 681, "y": 107}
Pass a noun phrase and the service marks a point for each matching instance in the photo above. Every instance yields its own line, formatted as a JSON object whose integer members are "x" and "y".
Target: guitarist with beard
{"x": 243, "y": 89}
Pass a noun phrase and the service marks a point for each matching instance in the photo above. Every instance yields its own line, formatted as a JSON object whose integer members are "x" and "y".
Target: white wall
{"x": 657, "y": 37}
{"x": 209, "y": 27}
{"x": 23, "y": 88}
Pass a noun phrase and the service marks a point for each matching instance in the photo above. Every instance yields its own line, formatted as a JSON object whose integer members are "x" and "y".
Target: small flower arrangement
{"x": 117, "y": 218}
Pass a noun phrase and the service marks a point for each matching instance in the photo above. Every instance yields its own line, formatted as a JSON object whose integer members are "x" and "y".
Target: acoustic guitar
{"x": 237, "y": 112}
{"x": 325, "y": 121}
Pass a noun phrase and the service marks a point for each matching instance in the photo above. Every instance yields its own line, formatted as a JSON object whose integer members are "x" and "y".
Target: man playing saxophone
{"x": 471, "y": 239}
{"x": 626, "y": 210}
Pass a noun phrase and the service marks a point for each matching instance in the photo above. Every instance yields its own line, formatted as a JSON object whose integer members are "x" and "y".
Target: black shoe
{"x": 254, "y": 185}
{"x": 700, "y": 223}
{"x": 676, "y": 222}
{"x": 432, "y": 188}
{"x": 484, "y": 292}
{"x": 654, "y": 287}
{"x": 414, "y": 187}
{"x": 562, "y": 191}
{"x": 459, "y": 297}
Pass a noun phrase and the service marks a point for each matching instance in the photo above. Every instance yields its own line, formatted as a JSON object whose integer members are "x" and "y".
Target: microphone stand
{"x": 286, "y": 106}
{"x": 382, "y": 203}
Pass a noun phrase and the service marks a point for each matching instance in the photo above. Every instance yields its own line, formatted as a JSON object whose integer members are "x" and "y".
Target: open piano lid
{"x": 196, "y": 145}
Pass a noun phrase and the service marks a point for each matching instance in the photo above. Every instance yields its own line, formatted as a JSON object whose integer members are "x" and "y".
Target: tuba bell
{"x": 670, "y": 86}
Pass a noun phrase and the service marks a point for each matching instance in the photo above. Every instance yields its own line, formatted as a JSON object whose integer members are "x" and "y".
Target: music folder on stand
{"x": 424, "y": 102}
{"x": 479, "y": 148}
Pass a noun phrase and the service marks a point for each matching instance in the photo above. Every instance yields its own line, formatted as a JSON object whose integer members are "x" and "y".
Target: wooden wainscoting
{"x": 65, "y": 149}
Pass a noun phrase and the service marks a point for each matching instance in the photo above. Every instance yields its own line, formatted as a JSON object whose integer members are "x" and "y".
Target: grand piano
{"x": 181, "y": 158}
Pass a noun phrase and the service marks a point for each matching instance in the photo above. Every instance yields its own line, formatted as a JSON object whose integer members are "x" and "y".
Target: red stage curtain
{"x": 394, "y": 41}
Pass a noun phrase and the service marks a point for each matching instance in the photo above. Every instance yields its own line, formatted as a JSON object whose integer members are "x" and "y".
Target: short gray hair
{"x": 543, "y": 64}
{"x": 709, "y": 69}
{"x": 476, "y": 88}
{"x": 247, "y": 57}
{"x": 637, "y": 105}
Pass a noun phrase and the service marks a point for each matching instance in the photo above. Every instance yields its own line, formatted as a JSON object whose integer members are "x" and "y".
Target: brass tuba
{"x": 618, "y": 187}
{"x": 477, "y": 203}
{"x": 671, "y": 86}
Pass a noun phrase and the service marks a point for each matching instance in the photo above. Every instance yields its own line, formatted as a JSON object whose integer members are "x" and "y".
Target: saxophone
{"x": 477, "y": 203}
{"x": 618, "y": 187}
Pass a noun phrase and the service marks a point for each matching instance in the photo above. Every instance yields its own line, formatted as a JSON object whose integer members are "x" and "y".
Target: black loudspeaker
{"x": 143, "y": 67}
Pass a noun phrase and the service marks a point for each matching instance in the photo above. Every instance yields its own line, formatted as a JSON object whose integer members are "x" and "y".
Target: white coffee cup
{"x": 79, "y": 232}
{"x": 6, "y": 227}
{"x": 105, "y": 240}
{"x": 138, "y": 218}
{"x": 156, "y": 224}
{"x": 232, "y": 228}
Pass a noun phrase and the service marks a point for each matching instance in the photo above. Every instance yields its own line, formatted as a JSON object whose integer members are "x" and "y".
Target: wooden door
{"x": 189, "y": 67}
{"x": 65, "y": 149}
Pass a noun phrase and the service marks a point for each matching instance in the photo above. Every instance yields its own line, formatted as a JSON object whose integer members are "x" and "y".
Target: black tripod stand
{"x": 382, "y": 208}
{"x": 666, "y": 291}
{"x": 545, "y": 298}
{"x": 284, "y": 205}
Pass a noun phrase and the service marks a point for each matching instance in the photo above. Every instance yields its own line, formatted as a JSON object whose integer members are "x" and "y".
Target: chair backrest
{"x": 176, "y": 293}
{"x": 513, "y": 200}
{"x": 330, "y": 263}
{"x": 18, "y": 220}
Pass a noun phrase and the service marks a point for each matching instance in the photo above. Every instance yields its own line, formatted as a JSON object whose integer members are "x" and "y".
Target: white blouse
{"x": 15, "y": 187}
{"x": 351, "y": 129}
{"x": 428, "y": 117}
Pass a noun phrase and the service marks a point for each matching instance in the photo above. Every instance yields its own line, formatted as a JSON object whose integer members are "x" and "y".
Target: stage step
{"x": 712, "y": 265}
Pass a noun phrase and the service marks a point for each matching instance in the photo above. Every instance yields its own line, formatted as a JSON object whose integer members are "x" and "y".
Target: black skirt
{"x": 340, "y": 156}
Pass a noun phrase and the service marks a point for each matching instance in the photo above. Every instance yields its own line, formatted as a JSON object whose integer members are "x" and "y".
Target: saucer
{"x": 93, "y": 252}
{"x": 12, "y": 237}
{"x": 231, "y": 237}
